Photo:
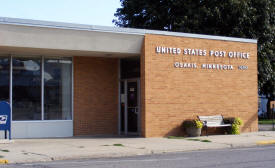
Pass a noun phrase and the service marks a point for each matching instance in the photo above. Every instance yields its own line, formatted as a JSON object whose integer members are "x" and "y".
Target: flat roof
{"x": 128, "y": 31}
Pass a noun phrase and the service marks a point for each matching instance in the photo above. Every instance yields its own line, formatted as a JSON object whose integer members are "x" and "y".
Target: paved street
{"x": 263, "y": 156}
{"x": 265, "y": 127}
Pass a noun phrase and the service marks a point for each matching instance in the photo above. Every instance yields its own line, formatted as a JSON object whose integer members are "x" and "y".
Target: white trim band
{"x": 142, "y": 32}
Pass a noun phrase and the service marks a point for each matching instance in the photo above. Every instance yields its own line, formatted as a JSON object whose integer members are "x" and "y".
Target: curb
{"x": 3, "y": 161}
{"x": 4, "y": 141}
{"x": 268, "y": 142}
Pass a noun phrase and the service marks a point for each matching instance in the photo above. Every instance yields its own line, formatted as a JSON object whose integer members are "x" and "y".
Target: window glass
{"x": 26, "y": 85}
{"x": 4, "y": 78}
{"x": 122, "y": 106}
{"x": 57, "y": 89}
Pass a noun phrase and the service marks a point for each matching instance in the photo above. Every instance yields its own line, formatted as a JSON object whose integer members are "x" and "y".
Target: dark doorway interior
{"x": 130, "y": 68}
{"x": 129, "y": 96}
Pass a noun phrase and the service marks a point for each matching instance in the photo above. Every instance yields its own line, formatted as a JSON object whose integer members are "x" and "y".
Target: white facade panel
{"x": 42, "y": 129}
{"x": 71, "y": 40}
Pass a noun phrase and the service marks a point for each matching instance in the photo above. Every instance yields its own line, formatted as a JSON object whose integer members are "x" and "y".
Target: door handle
{"x": 136, "y": 110}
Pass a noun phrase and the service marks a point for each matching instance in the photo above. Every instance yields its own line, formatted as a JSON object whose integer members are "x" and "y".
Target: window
{"x": 29, "y": 90}
{"x": 4, "y": 78}
{"x": 26, "y": 88}
{"x": 57, "y": 89}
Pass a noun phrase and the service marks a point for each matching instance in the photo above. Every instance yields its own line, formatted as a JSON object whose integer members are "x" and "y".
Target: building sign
{"x": 204, "y": 53}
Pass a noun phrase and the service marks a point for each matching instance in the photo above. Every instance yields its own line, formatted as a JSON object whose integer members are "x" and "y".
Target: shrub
{"x": 192, "y": 123}
{"x": 238, "y": 121}
{"x": 198, "y": 124}
{"x": 236, "y": 126}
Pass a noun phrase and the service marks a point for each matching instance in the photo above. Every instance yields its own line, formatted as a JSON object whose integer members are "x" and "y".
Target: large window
{"x": 4, "y": 78}
{"x": 57, "y": 89}
{"x": 41, "y": 88}
{"x": 26, "y": 88}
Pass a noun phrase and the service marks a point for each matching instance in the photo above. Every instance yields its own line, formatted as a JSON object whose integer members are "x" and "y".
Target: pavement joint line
{"x": 266, "y": 142}
{"x": 51, "y": 158}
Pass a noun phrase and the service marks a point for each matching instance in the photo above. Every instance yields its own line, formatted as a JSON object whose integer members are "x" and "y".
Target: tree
{"x": 236, "y": 18}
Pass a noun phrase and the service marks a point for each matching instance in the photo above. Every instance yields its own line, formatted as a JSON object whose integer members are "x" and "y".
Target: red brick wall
{"x": 170, "y": 95}
{"x": 95, "y": 96}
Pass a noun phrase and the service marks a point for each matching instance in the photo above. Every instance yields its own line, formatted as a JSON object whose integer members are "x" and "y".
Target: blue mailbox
{"x": 5, "y": 118}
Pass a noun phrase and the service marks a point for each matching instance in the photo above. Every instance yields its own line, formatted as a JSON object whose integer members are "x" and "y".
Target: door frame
{"x": 126, "y": 132}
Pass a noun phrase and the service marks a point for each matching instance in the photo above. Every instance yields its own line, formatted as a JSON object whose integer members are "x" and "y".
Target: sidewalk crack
{"x": 39, "y": 154}
{"x": 229, "y": 144}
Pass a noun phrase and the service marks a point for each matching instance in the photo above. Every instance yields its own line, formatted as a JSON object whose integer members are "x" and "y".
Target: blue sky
{"x": 94, "y": 12}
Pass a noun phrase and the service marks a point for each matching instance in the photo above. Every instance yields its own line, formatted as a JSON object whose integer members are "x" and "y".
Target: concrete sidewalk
{"x": 36, "y": 150}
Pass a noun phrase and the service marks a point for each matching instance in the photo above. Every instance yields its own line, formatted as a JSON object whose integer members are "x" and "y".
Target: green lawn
{"x": 261, "y": 121}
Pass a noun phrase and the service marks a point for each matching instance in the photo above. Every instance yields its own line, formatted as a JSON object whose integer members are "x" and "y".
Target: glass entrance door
{"x": 129, "y": 107}
{"x": 132, "y": 106}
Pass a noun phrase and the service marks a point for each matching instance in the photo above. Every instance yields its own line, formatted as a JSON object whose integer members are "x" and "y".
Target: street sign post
{"x": 5, "y": 118}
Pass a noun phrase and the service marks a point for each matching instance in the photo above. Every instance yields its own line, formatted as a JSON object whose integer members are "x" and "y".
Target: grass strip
{"x": 193, "y": 139}
{"x": 5, "y": 150}
{"x": 175, "y": 137}
{"x": 118, "y": 145}
{"x": 188, "y": 139}
{"x": 265, "y": 121}
{"x": 201, "y": 140}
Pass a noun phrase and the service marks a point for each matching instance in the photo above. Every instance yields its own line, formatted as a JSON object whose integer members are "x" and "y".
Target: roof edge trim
{"x": 134, "y": 31}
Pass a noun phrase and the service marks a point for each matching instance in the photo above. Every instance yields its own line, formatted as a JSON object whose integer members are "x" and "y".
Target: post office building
{"x": 64, "y": 79}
